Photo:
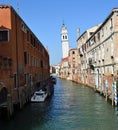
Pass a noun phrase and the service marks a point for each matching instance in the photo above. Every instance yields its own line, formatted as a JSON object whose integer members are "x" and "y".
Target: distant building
{"x": 73, "y": 64}
{"x": 55, "y": 70}
{"x": 52, "y": 70}
{"x": 64, "y": 68}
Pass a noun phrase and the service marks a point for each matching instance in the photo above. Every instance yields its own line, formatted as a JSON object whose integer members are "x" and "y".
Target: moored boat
{"x": 54, "y": 80}
{"x": 39, "y": 96}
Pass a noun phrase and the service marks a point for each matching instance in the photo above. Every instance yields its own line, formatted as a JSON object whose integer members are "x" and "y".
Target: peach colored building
{"x": 24, "y": 62}
{"x": 64, "y": 68}
{"x": 73, "y": 64}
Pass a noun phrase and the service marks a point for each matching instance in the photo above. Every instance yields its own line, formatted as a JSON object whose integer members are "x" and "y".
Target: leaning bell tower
{"x": 64, "y": 41}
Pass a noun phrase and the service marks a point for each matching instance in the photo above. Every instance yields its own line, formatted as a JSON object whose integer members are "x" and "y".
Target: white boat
{"x": 39, "y": 96}
{"x": 68, "y": 78}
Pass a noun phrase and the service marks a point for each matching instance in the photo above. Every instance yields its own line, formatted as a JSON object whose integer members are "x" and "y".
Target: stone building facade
{"x": 100, "y": 54}
{"x": 97, "y": 61}
{"x": 82, "y": 51}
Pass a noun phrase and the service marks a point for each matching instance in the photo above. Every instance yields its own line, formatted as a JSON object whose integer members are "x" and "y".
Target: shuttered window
{"x": 3, "y": 35}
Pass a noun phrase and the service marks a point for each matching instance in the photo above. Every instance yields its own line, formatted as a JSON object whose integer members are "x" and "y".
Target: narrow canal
{"x": 72, "y": 107}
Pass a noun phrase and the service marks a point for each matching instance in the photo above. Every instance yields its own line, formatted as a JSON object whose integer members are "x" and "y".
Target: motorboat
{"x": 54, "y": 80}
{"x": 39, "y": 96}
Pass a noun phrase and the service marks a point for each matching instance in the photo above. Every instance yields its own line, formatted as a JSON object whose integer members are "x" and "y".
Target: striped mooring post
{"x": 106, "y": 87}
{"x": 115, "y": 94}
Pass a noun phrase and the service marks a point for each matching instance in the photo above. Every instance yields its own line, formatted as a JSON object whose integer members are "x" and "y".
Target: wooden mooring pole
{"x": 10, "y": 109}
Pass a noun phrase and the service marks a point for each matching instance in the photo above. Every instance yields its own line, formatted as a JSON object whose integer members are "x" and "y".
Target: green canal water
{"x": 72, "y": 107}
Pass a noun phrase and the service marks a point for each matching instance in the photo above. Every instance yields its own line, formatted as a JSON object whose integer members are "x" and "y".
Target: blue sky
{"x": 45, "y": 18}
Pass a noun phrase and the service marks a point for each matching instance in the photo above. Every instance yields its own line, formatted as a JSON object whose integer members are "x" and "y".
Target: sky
{"x": 45, "y": 19}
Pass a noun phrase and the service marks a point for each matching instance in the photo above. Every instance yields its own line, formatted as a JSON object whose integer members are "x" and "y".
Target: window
{"x": 73, "y": 71}
{"x": 15, "y": 81}
{"x": 28, "y": 35}
{"x": 34, "y": 42}
{"x": 99, "y": 36}
{"x": 73, "y": 52}
{"x": 28, "y": 59}
{"x": 32, "y": 59}
{"x": 94, "y": 39}
{"x": 31, "y": 39}
{"x": 73, "y": 59}
{"x": 41, "y": 64}
{"x": 9, "y": 62}
{"x": 102, "y": 32}
{"x": 1, "y": 62}
{"x": 91, "y": 33}
{"x": 3, "y": 35}
{"x": 111, "y": 24}
{"x": 5, "y": 63}
{"x": 25, "y": 57}
{"x": 25, "y": 78}
{"x": 107, "y": 49}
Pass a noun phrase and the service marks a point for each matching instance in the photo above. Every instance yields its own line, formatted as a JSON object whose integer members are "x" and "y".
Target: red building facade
{"x": 24, "y": 62}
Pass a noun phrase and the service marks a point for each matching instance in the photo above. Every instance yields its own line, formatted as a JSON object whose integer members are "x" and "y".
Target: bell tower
{"x": 64, "y": 41}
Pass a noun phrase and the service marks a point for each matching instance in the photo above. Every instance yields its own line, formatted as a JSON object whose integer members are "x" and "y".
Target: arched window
{"x": 65, "y": 37}
{"x": 73, "y": 52}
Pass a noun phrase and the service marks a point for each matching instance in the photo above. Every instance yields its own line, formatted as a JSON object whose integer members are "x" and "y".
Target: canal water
{"x": 72, "y": 107}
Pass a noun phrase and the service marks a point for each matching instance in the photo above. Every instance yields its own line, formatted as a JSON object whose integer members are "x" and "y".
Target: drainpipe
{"x": 98, "y": 78}
{"x": 17, "y": 85}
